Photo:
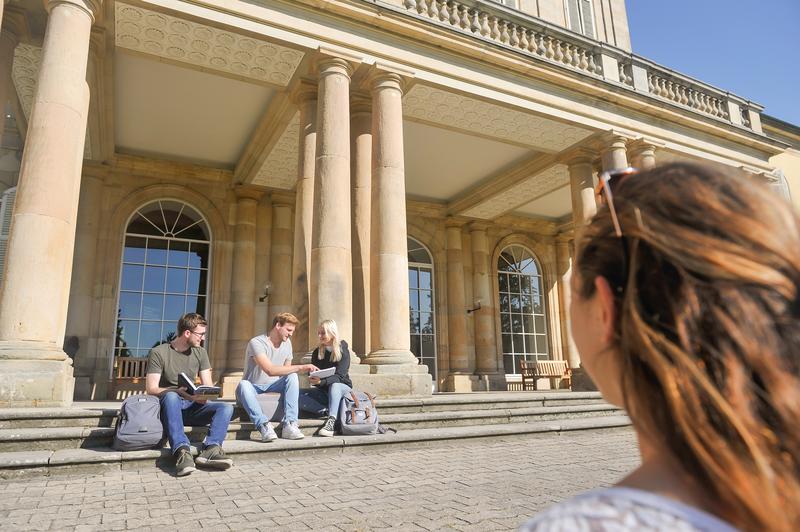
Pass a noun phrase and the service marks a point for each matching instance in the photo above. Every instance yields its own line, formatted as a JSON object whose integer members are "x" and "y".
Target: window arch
{"x": 523, "y": 321}
{"x": 164, "y": 273}
{"x": 421, "y": 301}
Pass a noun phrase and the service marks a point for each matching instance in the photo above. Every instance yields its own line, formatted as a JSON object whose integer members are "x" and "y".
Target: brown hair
{"x": 707, "y": 292}
{"x": 189, "y": 321}
{"x": 283, "y": 318}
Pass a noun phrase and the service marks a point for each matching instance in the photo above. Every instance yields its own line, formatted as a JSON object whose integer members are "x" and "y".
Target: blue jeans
{"x": 289, "y": 388}
{"x": 317, "y": 398}
{"x": 177, "y": 412}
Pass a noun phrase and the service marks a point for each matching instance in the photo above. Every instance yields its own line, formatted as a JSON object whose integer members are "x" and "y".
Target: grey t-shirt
{"x": 169, "y": 363}
{"x": 263, "y": 345}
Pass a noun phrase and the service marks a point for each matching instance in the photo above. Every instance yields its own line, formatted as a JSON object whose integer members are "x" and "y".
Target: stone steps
{"x": 92, "y": 461}
{"x": 58, "y": 437}
{"x": 47, "y": 440}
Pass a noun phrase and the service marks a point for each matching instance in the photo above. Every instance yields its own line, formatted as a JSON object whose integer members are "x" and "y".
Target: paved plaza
{"x": 490, "y": 484}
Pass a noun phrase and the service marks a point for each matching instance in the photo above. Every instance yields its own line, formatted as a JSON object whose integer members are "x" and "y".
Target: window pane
{"x": 413, "y": 278}
{"x": 195, "y": 282}
{"x": 515, "y": 303}
{"x": 413, "y": 300}
{"x": 426, "y": 322}
{"x": 530, "y": 344}
{"x": 191, "y": 304}
{"x": 414, "y": 322}
{"x": 152, "y": 305}
{"x": 131, "y": 277}
{"x": 519, "y": 343}
{"x": 198, "y": 255}
{"x": 517, "y": 365}
{"x": 426, "y": 301}
{"x": 503, "y": 281}
{"x": 527, "y": 323}
{"x": 156, "y": 251}
{"x": 130, "y": 304}
{"x": 150, "y": 334}
{"x": 134, "y": 249}
{"x": 154, "y": 278}
{"x": 508, "y": 363}
{"x": 514, "y": 283}
{"x": 537, "y": 307}
{"x": 425, "y": 279}
{"x": 516, "y": 323}
{"x": 415, "y": 345}
{"x": 538, "y": 322}
{"x": 178, "y": 253}
{"x": 176, "y": 280}
{"x": 200, "y": 308}
{"x": 174, "y": 306}
{"x": 428, "y": 348}
{"x": 505, "y": 322}
{"x": 127, "y": 333}
{"x": 527, "y": 308}
{"x": 541, "y": 343}
{"x": 525, "y": 284}
{"x": 507, "y": 347}
{"x": 505, "y": 303}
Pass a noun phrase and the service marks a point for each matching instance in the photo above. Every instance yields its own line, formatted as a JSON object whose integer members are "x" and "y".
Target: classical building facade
{"x": 413, "y": 169}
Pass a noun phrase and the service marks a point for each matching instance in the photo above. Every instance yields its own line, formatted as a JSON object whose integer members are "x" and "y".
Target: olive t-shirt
{"x": 170, "y": 363}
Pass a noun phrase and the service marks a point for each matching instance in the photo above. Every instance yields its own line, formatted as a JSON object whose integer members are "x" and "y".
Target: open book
{"x": 204, "y": 392}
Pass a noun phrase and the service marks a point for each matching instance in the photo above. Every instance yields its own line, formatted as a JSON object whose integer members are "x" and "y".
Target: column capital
{"x": 616, "y": 139}
{"x": 336, "y": 61}
{"x": 581, "y": 155}
{"x": 360, "y": 102}
{"x": 478, "y": 226}
{"x": 643, "y": 144}
{"x": 383, "y": 76}
{"x": 90, "y": 7}
{"x": 303, "y": 90}
{"x": 454, "y": 222}
{"x": 248, "y": 192}
{"x": 15, "y": 24}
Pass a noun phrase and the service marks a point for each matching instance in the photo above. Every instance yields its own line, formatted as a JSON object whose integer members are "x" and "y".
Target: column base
{"x": 35, "y": 374}
{"x": 582, "y": 382}
{"x": 229, "y": 384}
{"x": 461, "y": 382}
{"x": 397, "y": 380}
{"x": 490, "y": 382}
{"x": 391, "y": 357}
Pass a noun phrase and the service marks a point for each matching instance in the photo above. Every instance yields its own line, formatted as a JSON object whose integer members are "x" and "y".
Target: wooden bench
{"x": 532, "y": 370}
{"x": 129, "y": 376}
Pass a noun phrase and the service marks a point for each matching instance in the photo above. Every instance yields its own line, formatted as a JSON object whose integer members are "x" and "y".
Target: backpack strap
{"x": 355, "y": 398}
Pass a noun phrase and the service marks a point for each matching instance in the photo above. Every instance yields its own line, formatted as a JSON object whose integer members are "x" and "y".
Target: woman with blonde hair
{"x": 686, "y": 312}
{"x": 332, "y": 352}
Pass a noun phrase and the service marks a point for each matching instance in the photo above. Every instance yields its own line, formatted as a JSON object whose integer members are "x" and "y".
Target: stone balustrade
{"x": 528, "y": 35}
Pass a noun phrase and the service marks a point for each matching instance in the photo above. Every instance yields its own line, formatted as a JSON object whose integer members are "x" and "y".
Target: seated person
{"x": 328, "y": 391}
{"x": 268, "y": 368}
{"x": 165, "y": 362}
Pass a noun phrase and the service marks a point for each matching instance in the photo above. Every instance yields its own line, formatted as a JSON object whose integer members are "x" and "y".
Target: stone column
{"x": 261, "y": 319}
{"x": 361, "y": 196}
{"x": 280, "y": 265}
{"x": 564, "y": 266}
{"x": 35, "y": 290}
{"x": 461, "y": 378}
{"x": 243, "y": 284}
{"x": 643, "y": 154}
{"x": 485, "y": 336}
{"x": 615, "y": 153}
{"x": 306, "y": 99}
{"x": 395, "y": 369}
{"x": 581, "y": 180}
{"x": 331, "y": 260}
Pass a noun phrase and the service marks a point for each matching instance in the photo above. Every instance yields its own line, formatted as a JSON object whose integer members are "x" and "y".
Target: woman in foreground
{"x": 686, "y": 312}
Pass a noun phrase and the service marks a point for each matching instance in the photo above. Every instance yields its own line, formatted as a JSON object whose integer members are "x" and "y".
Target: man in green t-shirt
{"x": 165, "y": 362}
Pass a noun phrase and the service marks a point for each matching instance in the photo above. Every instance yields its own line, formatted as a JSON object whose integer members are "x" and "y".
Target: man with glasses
{"x": 185, "y": 354}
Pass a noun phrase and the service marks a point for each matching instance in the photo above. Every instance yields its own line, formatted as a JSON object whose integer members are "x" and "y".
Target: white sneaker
{"x": 291, "y": 431}
{"x": 267, "y": 432}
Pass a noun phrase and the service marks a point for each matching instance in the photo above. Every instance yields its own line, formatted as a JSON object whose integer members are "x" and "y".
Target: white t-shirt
{"x": 623, "y": 509}
{"x": 263, "y": 345}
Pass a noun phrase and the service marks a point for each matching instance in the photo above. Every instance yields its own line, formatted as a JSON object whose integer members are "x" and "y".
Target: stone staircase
{"x": 45, "y": 441}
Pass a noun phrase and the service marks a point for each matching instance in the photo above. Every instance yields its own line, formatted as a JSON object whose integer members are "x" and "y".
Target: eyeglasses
{"x": 606, "y": 183}
{"x": 200, "y": 335}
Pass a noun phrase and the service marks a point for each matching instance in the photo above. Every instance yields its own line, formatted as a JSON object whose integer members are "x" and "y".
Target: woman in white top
{"x": 686, "y": 311}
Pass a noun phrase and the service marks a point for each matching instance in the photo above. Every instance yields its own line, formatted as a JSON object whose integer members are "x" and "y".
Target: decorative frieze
{"x": 153, "y": 33}
{"x": 280, "y": 167}
{"x": 536, "y": 186}
{"x": 472, "y": 115}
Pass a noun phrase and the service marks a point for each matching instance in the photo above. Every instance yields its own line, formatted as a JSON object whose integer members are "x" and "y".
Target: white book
{"x": 322, "y": 373}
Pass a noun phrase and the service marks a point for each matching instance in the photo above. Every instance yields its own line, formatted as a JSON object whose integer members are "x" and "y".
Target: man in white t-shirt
{"x": 268, "y": 368}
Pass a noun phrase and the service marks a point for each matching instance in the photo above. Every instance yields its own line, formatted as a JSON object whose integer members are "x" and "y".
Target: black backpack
{"x": 139, "y": 424}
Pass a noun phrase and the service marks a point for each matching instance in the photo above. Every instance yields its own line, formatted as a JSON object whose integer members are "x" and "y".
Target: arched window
{"x": 164, "y": 274}
{"x": 522, "y": 313}
{"x": 421, "y": 305}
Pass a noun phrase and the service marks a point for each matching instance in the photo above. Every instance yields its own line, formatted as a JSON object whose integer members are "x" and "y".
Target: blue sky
{"x": 721, "y": 42}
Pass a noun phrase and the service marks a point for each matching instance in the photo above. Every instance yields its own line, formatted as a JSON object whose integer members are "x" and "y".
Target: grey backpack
{"x": 357, "y": 414}
{"x": 139, "y": 424}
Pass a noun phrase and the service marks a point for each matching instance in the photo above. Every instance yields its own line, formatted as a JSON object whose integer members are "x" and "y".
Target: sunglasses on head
{"x": 607, "y": 182}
